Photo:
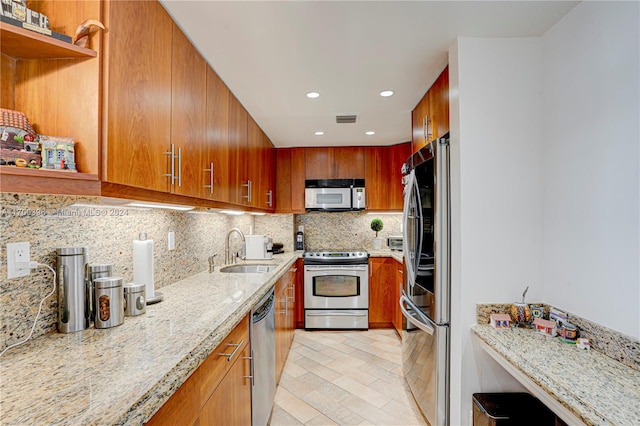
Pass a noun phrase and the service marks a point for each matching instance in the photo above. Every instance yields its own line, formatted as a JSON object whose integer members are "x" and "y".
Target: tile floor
{"x": 344, "y": 378}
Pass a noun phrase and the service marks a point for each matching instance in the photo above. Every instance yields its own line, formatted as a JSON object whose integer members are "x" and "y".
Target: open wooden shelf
{"x": 39, "y": 181}
{"x": 24, "y": 44}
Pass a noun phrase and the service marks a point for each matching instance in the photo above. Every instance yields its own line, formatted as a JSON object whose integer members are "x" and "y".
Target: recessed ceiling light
{"x": 370, "y": 133}
{"x": 313, "y": 95}
{"x": 386, "y": 93}
{"x": 319, "y": 133}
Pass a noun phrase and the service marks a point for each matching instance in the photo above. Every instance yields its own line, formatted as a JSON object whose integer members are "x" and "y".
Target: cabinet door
{"x": 377, "y": 178}
{"x": 398, "y": 155}
{"x": 188, "y": 111}
{"x": 238, "y": 144}
{"x": 421, "y": 126}
{"x": 381, "y": 292}
{"x": 217, "y": 138}
{"x": 399, "y": 285}
{"x": 318, "y": 163}
{"x": 290, "y": 176}
{"x": 254, "y": 164}
{"x": 348, "y": 163}
{"x": 268, "y": 176}
{"x": 138, "y": 94}
{"x": 230, "y": 404}
{"x": 439, "y": 104}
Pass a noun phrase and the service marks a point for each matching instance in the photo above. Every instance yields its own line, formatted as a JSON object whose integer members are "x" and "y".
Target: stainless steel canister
{"x": 109, "y": 301}
{"x": 134, "y": 299}
{"x": 72, "y": 292}
{"x": 95, "y": 270}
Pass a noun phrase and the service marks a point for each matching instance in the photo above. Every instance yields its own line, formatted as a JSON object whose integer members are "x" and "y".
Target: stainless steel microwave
{"x": 334, "y": 194}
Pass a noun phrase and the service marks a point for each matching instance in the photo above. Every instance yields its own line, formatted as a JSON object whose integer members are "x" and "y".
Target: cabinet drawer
{"x": 209, "y": 375}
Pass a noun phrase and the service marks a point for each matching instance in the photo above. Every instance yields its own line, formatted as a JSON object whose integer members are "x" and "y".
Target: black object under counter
{"x": 515, "y": 408}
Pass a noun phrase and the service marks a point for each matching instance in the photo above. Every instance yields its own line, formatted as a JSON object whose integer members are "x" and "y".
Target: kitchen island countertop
{"x": 594, "y": 388}
{"x": 123, "y": 375}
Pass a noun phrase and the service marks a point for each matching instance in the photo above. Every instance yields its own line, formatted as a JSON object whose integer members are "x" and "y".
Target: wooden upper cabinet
{"x": 217, "y": 138}
{"x": 267, "y": 178}
{"x": 188, "y": 114}
{"x": 430, "y": 118}
{"x": 383, "y": 178}
{"x": 238, "y": 149}
{"x": 334, "y": 163}
{"x": 290, "y": 175}
{"x": 137, "y": 95}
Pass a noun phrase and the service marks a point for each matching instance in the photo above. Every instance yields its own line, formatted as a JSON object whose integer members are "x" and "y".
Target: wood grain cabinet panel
{"x": 382, "y": 292}
{"x": 217, "y": 138}
{"x": 238, "y": 151}
{"x": 398, "y": 318}
{"x": 290, "y": 177}
{"x": 430, "y": 118}
{"x": 383, "y": 177}
{"x": 137, "y": 95}
{"x": 334, "y": 163}
{"x": 188, "y": 114}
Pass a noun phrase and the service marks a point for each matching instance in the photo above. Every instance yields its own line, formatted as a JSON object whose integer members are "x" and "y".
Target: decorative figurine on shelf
{"x": 520, "y": 312}
{"x": 377, "y": 225}
{"x": 81, "y": 37}
{"x": 58, "y": 152}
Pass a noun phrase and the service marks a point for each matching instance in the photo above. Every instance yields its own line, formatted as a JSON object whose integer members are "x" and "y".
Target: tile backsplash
{"x": 48, "y": 222}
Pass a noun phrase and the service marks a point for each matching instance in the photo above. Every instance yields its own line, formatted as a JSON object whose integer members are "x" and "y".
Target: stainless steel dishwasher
{"x": 263, "y": 349}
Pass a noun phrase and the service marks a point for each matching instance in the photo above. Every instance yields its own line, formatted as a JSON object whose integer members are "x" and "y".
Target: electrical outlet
{"x": 172, "y": 240}
{"x": 18, "y": 258}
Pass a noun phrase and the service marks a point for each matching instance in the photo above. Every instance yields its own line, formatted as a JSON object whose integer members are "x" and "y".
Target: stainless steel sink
{"x": 248, "y": 269}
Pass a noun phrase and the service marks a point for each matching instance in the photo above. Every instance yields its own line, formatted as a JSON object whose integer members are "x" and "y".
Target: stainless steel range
{"x": 336, "y": 290}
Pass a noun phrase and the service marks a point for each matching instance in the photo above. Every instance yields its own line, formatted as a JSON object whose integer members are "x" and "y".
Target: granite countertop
{"x": 397, "y": 255}
{"x": 123, "y": 375}
{"x": 597, "y": 389}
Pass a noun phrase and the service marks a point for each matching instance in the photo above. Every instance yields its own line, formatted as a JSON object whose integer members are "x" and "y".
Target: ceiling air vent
{"x": 346, "y": 119}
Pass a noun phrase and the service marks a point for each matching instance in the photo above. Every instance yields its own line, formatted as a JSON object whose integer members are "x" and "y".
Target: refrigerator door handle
{"x": 424, "y": 326}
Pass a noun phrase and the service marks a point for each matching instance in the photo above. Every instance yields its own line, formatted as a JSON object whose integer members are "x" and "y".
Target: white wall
{"x": 591, "y": 163}
{"x": 496, "y": 162}
{"x": 546, "y": 177}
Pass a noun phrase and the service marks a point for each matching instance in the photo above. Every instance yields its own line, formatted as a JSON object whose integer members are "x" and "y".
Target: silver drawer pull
{"x": 232, "y": 354}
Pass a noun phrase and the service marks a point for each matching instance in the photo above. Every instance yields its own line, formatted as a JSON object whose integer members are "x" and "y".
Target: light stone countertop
{"x": 123, "y": 375}
{"x": 596, "y": 389}
{"x": 397, "y": 255}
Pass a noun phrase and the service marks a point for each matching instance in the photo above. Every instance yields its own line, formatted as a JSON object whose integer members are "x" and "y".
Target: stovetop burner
{"x": 335, "y": 257}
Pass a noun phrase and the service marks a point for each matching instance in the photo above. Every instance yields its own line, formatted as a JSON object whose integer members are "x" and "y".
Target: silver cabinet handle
{"x": 172, "y": 156}
{"x": 210, "y": 170}
{"x": 252, "y": 375}
{"x": 270, "y": 198}
{"x": 232, "y": 354}
{"x": 248, "y": 196}
{"x": 335, "y": 314}
{"x": 179, "y": 167}
{"x": 250, "y": 190}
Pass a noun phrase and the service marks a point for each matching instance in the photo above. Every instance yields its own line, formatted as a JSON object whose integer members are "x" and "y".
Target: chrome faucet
{"x": 227, "y": 258}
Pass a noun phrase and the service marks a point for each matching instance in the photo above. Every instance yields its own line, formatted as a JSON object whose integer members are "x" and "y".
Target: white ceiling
{"x": 271, "y": 53}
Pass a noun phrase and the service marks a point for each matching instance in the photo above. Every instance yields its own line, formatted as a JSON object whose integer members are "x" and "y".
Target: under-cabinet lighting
{"x": 232, "y": 212}
{"x": 377, "y": 213}
{"x": 257, "y": 213}
{"x": 160, "y": 206}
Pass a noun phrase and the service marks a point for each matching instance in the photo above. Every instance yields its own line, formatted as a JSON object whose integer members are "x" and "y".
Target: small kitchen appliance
{"x": 258, "y": 247}
{"x": 134, "y": 300}
{"x": 109, "y": 302}
{"x": 336, "y": 290}
{"x": 394, "y": 242}
{"x": 300, "y": 238}
{"x": 74, "y": 313}
{"x": 334, "y": 194}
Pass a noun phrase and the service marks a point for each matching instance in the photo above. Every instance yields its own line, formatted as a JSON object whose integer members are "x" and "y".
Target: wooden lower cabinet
{"x": 230, "y": 404}
{"x": 382, "y": 292}
{"x": 398, "y": 318}
{"x": 285, "y": 318}
{"x": 219, "y": 391}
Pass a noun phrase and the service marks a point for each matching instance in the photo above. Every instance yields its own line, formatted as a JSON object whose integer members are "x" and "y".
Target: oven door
{"x": 336, "y": 287}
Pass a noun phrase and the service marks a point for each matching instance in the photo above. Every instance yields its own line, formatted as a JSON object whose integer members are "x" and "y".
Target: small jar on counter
{"x": 108, "y": 302}
{"x": 134, "y": 299}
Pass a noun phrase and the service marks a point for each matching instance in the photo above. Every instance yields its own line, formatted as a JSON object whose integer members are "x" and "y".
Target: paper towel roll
{"x": 143, "y": 265}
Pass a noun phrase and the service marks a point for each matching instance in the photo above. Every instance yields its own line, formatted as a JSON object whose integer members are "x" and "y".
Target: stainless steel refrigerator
{"x": 425, "y": 301}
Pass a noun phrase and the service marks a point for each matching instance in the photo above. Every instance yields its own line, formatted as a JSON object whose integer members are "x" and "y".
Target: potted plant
{"x": 377, "y": 225}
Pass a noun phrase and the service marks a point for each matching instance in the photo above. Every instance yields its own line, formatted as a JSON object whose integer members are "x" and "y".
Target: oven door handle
{"x": 424, "y": 326}
{"x": 336, "y": 314}
{"x": 339, "y": 268}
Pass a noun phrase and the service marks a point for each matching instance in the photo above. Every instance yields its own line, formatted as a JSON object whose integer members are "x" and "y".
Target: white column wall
{"x": 497, "y": 223}
{"x": 591, "y": 140}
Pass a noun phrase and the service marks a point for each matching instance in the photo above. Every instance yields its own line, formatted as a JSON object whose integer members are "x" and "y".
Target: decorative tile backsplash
{"x": 618, "y": 346}
{"x": 48, "y": 222}
{"x": 345, "y": 230}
